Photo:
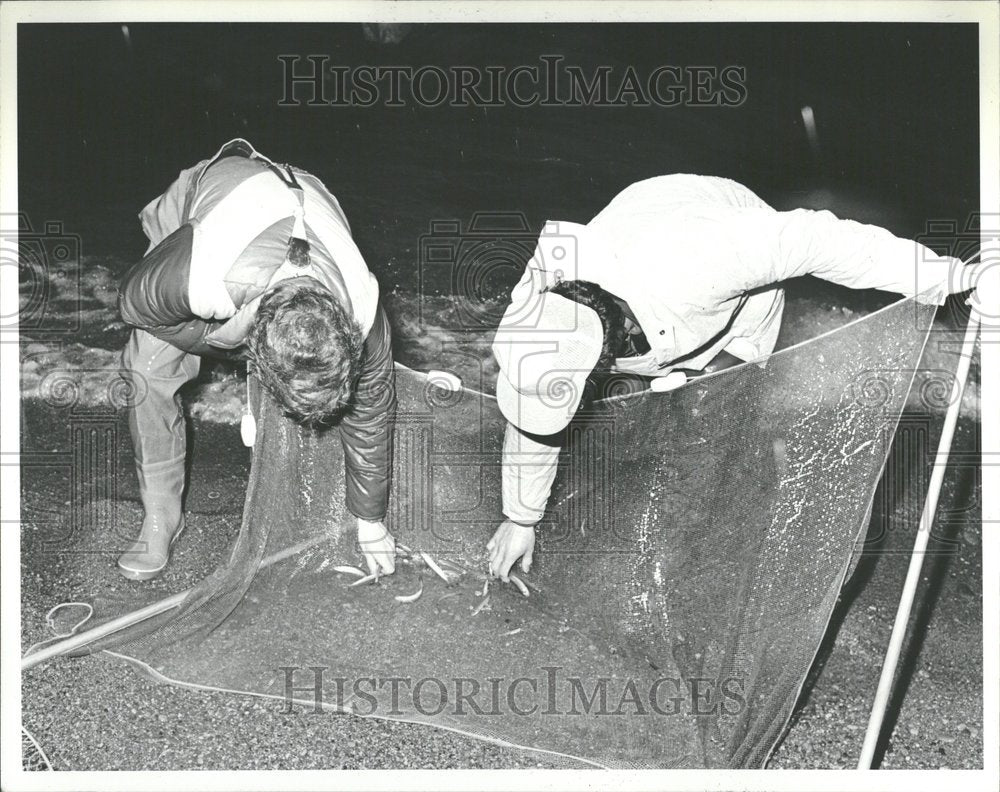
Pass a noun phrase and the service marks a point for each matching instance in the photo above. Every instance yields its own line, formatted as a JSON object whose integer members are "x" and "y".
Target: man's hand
{"x": 378, "y": 547}
{"x": 511, "y": 542}
{"x": 985, "y": 299}
{"x": 941, "y": 276}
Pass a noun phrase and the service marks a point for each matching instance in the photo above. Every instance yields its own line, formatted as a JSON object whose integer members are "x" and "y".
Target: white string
{"x": 248, "y": 424}
{"x": 51, "y": 623}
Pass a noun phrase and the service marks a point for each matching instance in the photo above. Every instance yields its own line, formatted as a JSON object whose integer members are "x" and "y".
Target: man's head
{"x": 608, "y": 311}
{"x": 549, "y": 348}
{"x": 306, "y": 349}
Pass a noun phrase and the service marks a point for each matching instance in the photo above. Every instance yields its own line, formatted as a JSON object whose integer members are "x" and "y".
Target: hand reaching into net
{"x": 377, "y": 546}
{"x": 511, "y": 542}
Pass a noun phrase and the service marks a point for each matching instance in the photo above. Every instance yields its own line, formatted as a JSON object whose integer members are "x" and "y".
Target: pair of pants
{"x": 157, "y": 370}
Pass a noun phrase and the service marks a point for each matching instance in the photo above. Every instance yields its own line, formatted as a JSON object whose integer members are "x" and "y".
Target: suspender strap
{"x": 298, "y": 245}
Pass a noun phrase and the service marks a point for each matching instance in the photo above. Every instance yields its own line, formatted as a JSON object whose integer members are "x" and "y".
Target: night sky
{"x": 106, "y": 122}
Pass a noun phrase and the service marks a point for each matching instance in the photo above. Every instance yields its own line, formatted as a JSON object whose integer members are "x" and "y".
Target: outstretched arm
{"x": 857, "y": 255}
{"x": 529, "y": 469}
{"x": 366, "y": 429}
{"x": 366, "y": 434}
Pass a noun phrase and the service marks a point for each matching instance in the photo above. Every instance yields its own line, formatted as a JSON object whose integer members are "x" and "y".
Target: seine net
{"x": 693, "y": 550}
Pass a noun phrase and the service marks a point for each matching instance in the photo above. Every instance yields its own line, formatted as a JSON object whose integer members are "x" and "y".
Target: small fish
{"x": 437, "y": 570}
{"x": 451, "y": 566}
{"x": 450, "y": 594}
{"x": 486, "y": 588}
{"x": 365, "y": 579}
{"x": 411, "y": 597}
{"x": 520, "y": 584}
{"x": 513, "y": 632}
{"x": 403, "y": 548}
{"x": 484, "y": 604}
{"x": 349, "y": 570}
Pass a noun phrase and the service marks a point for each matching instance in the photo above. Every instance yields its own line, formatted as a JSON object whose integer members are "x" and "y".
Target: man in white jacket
{"x": 691, "y": 263}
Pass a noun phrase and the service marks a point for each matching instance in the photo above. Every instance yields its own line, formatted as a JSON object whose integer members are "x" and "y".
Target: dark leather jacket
{"x": 175, "y": 296}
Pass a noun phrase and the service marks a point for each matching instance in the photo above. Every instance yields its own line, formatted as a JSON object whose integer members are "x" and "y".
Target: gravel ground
{"x": 111, "y": 718}
{"x": 98, "y": 713}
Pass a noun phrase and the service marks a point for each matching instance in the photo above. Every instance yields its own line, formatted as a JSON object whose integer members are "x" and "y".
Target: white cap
{"x": 547, "y": 346}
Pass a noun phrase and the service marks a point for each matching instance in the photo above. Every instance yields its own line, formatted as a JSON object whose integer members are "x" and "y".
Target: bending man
{"x": 682, "y": 272}
{"x": 255, "y": 260}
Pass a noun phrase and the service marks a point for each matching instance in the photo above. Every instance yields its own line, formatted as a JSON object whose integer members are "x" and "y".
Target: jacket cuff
{"x": 368, "y": 518}
{"x": 528, "y": 517}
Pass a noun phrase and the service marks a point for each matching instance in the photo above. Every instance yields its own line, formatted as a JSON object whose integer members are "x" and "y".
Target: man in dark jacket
{"x": 251, "y": 259}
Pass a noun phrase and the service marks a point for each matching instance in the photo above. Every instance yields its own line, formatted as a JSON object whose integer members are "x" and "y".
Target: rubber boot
{"x": 160, "y": 487}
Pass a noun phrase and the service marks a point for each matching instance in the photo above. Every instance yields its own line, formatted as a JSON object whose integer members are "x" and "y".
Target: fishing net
{"x": 693, "y": 550}
{"x": 33, "y": 756}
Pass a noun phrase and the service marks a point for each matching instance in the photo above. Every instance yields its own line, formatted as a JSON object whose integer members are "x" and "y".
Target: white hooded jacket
{"x": 697, "y": 259}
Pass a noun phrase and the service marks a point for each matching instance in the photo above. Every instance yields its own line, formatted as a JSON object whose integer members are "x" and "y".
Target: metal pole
{"x": 120, "y": 623}
{"x": 919, "y": 550}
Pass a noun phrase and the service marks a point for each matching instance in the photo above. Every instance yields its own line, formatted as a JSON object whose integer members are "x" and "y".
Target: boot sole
{"x": 149, "y": 574}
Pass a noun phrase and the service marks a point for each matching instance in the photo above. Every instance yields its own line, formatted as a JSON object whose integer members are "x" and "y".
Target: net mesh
{"x": 33, "y": 756}
{"x": 685, "y": 572}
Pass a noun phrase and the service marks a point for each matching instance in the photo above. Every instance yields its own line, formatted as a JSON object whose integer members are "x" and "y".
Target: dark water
{"x": 106, "y": 124}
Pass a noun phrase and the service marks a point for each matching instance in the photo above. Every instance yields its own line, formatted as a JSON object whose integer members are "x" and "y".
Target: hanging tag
{"x": 248, "y": 424}
{"x": 444, "y": 380}
{"x": 298, "y": 245}
{"x": 671, "y": 381}
{"x": 248, "y": 430}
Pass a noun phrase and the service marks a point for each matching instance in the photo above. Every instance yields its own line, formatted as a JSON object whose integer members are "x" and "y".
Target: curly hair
{"x": 306, "y": 349}
{"x": 610, "y": 312}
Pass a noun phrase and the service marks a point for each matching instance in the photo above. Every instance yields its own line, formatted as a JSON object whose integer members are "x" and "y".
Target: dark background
{"x": 105, "y": 125}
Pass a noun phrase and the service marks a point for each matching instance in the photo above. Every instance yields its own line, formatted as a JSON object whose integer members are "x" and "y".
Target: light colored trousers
{"x": 157, "y": 370}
